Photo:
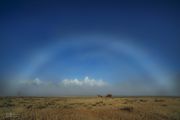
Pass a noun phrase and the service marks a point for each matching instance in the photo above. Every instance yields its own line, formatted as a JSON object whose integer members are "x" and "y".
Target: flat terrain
{"x": 89, "y": 108}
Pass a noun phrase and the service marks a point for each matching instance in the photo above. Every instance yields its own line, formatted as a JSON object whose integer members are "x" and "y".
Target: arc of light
{"x": 46, "y": 55}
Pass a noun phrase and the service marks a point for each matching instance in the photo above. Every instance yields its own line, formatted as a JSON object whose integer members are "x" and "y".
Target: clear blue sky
{"x": 110, "y": 40}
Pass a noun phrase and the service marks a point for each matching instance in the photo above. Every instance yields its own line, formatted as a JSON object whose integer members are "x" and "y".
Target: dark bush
{"x": 158, "y": 100}
{"x": 127, "y": 108}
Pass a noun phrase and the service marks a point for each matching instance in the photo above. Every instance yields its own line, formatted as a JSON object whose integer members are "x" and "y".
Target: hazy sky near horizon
{"x": 51, "y": 48}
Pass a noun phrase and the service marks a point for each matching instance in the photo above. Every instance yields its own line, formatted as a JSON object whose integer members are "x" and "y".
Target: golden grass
{"x": 90, "y": 108}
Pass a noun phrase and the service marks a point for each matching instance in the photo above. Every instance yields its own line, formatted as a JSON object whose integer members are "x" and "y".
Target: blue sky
{"x": 133, "y": 44}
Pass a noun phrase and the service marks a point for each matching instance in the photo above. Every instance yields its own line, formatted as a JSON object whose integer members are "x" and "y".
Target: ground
{"x": 90, "y": 108}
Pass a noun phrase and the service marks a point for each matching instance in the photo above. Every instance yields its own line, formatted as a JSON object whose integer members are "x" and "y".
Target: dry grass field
{"x": 89, "y": 108}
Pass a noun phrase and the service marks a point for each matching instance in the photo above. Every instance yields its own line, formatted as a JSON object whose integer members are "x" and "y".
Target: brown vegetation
{"x": 89, "y": 108}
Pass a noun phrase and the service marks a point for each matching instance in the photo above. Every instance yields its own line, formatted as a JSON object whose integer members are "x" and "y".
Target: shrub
{"x": 29, "y": 106}
{"x": 127, "y": 108}
{"x": 158, "y": 100}
{"x": 141, "y": 100}
{"x": 164, "y": 105}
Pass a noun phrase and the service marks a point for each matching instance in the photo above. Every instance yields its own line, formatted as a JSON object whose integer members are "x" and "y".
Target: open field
{"x": 90, "y": 108}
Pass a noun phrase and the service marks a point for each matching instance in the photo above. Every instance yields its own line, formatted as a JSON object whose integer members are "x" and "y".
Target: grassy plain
{"x": 89, "y": 108}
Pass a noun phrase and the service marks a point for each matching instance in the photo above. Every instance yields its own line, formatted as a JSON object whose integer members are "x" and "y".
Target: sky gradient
{"x": 61, "y": 48}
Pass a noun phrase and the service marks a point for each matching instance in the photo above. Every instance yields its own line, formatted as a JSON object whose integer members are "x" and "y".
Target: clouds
{"x": 36, "y": 81}
{"x": 84, "y": 87}
{"x": 85, "y": 82}
{"x": 66, "y": 87}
